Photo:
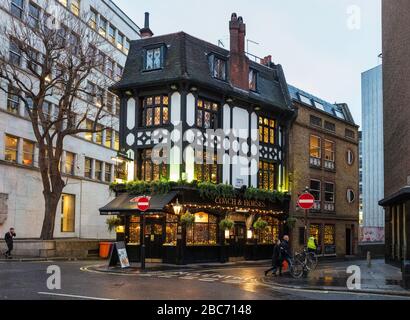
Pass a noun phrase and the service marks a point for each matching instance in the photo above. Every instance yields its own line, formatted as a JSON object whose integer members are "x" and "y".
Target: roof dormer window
{"x": 253, "y": 80}
{"x": 218, "y": 67}
{"x": 154, "y": 58}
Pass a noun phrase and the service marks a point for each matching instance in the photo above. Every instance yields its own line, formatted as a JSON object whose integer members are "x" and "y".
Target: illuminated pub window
{"x": 134, "y": 231}
{"x": 171, "y": 230}
{"x": 67, "y": 213}
{"x": 266, "y": 178}
{"x": 206, "y": 114}
{"x": 329, "y": 235}
{"x": 151, "y": 171}
{"x": 203, "y": 231}
{"x": 267, "y": 129}
{"x": 271, "y": 233}
{"x": 314, "y": 231}
{"x": 204, "y": 171}
{"x": 121, "y": 171}
{"x": 156, "y": 111}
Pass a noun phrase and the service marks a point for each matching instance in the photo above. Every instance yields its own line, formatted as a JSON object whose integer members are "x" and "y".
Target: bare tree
{"x": 61, "y": 54}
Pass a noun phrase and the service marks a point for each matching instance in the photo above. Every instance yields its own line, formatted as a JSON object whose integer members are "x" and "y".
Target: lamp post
{"x": 178, "y": 208}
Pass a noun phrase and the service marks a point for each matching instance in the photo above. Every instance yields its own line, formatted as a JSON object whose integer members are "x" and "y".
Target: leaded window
{"x": 218, "y": 67}
{"x": 266, "y": 177}
{"x": 271, "y": 233}
{"x": 329, "y": 235}
{"x": 207, "y": 169}
{"x": 203, "y": 231}
{"x": 150, "y": 169}
{"x": 154, "y": 58}
{"x": 267, "y": 130}
{"x": 156, "y": 111}
{"x": 207, "y": 114}
{"x": 171, "y": 230}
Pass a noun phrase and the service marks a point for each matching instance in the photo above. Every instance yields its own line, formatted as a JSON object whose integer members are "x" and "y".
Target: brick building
{"x": 323, "y": 156}
{"x": 396, "y": 94}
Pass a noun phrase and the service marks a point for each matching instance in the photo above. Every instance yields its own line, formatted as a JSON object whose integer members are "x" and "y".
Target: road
{"x": 28, "y": 281}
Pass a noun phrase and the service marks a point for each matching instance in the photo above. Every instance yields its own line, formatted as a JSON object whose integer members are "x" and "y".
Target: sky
{"x": 323, "y": 45}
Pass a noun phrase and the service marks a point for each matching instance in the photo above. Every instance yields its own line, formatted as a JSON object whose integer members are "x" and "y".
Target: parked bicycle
{"x": 302, "y": 263}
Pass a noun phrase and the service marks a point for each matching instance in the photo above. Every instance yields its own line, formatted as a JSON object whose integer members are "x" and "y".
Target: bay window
{"x": 266, "y": 176}
{"x": 267, "y": 128}
{"x": 207, "y": 169}
{"x": 156, "y": 111}
{"x": 151, "y": 171}
{"x": 206, "y": 114}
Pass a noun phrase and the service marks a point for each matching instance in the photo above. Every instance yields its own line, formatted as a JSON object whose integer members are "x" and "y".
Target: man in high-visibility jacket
{"x": 312, "y": 244}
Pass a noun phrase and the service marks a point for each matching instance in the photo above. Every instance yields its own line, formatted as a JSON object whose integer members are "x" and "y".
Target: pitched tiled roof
{"x": 340, "y": 111}
{"x": 187, "y": 59}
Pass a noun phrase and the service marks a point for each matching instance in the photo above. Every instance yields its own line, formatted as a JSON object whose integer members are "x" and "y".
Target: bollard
{"x": 369, "y": 259}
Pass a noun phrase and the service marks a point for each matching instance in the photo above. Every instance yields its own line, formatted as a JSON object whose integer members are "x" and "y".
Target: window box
{"x": 315, "y": 162}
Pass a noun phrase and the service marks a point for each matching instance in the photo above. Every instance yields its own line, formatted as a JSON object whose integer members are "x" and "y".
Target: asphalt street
{"x": 28, "y": 281}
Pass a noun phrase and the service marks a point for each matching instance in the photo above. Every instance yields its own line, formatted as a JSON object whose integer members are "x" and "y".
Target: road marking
{"x": 71, "y": 296}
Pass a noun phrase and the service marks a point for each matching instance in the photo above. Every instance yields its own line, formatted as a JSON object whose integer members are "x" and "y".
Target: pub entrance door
{"x": 154, "y": 239}
{"x": 237, "y": 241}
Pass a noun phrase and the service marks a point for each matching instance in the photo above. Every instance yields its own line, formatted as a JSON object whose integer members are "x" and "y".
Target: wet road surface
{"x": 28, "y": 280}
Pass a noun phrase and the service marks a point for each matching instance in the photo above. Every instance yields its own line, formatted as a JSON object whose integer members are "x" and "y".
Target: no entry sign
{"x": 306, "y": 201}
{"x": 142, "y": 203}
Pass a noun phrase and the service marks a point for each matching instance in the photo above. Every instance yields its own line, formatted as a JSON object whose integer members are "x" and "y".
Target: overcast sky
{"x": 323, "y": 45}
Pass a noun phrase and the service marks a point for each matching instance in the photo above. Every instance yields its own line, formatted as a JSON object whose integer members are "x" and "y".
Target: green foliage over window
{"x": 188, "y": 219}
{"x": 226, "y": 224}
{"x": 260, "y": 225}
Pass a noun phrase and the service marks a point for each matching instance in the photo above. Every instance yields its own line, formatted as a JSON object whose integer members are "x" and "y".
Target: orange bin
{"x": 105, "y": 249}
{"x": 285, "y": 266}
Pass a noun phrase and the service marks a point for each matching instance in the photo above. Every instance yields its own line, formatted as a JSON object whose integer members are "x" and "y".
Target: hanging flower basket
{"x": 226, "y": 224}
{"x": 188, "y": 219}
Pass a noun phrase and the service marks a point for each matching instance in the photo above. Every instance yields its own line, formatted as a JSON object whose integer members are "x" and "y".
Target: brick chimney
{"x": 146, "y": 31}
{"x": 267, "y": 61}
{"x": 239, "y": 63}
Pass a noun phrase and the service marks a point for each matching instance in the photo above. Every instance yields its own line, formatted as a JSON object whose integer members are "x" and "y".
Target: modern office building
{"x": 396, "y": 94}
{"x": 87, "y": 164}
{"x": 373, "y": 156}
{"x": 323, "y": 154}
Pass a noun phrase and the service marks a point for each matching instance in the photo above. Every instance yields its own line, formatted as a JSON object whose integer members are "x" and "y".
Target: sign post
{"x": 142, "y": 205}
{"x": 306, "y": 201}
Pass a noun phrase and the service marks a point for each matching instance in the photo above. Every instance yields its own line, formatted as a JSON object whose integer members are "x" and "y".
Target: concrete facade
{"x": 22, "y": 202}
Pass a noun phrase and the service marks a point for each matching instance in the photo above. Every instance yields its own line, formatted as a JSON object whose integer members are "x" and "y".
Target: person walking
{"x": 285, "y": 253}
{"x": 9, "y": 241}
{"x": 312, "y": 244}
{"x": 276, "y": 259}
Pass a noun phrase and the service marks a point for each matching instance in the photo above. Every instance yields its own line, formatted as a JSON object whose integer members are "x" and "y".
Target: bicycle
{"x": 309, "y": 259}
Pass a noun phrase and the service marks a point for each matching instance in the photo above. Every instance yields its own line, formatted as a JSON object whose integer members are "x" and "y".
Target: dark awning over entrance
{"x": 396, "y": 198}
{"x": 123, "y": 204}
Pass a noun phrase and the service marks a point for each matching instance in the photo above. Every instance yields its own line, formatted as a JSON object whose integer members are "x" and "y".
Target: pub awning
{"x": 124, "y": 204}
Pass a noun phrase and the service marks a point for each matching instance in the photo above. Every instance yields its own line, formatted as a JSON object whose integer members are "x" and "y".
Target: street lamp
{"x": 177, "y": 208}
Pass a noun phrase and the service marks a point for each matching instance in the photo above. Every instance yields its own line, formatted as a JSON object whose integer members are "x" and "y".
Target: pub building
{"x": 177, "y": 80}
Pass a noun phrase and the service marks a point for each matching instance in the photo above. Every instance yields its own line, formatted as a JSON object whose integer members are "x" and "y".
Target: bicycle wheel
{"x": 297, "y": 268}
{"x": 311, "y": 261}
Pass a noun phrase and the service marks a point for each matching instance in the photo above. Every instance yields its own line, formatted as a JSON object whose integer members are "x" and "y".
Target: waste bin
{"x": 406, "y": 274}
{"x": 105, "y": 249}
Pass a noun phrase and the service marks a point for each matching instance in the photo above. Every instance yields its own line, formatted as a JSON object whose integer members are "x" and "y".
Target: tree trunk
{"x": 51, "y": 202}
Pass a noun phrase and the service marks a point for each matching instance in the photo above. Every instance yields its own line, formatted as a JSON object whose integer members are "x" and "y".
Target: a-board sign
{"x": 119, "y": 255}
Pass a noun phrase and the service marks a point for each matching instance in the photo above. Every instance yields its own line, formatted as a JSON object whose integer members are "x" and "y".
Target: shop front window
{"x": 135, "y": 231}
{"x": 207, "y": 114}
{"x": 329, "y": 239}
{"x": 171, "y": 230}
{"x": 271, "y": 233}
{"x": 203, "y": 231}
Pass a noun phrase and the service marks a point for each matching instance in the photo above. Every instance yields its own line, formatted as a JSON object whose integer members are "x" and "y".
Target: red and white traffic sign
{"x": 306, "y": 201}
{"x": 142, "y": 203}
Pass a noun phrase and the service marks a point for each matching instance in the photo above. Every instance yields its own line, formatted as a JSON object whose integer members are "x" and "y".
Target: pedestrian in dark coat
{"x": 285, "y": 253}
{"x": 276, "y": 259}
{"x": 9, "y": 242}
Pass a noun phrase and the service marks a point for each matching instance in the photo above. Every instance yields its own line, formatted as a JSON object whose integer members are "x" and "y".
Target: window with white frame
{"x": 16, "y": 8}
{"x": 351, "y": 197}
